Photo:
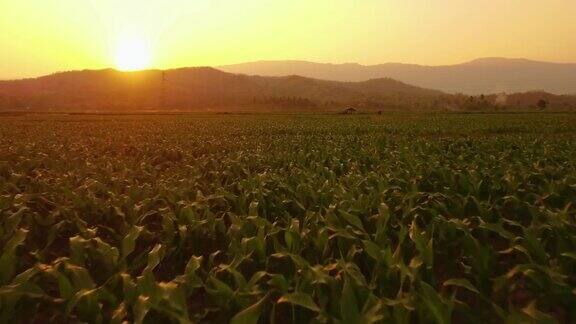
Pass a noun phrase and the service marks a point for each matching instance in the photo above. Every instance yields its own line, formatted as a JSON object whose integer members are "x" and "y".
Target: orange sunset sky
{"x": 39, "y": 37}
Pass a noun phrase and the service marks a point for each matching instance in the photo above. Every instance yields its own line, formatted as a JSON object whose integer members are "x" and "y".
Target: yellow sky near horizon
{"x": 39, "y": 37}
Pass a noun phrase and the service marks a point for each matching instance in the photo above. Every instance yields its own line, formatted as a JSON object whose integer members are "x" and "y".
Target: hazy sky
{"x": 43, "y": 36}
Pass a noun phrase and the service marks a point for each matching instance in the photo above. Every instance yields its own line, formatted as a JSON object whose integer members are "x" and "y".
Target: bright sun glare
{"x": 133, "y": 53}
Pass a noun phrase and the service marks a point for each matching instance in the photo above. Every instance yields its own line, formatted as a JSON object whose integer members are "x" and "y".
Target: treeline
{"x": 534, "y": 100}
{"x": 284, "y": 102}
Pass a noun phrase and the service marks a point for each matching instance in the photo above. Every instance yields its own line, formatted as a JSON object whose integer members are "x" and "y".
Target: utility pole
{"x": 163, "y": 90}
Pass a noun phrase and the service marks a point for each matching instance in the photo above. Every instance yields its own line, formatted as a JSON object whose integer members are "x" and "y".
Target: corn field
{"x": 288, "y": 219}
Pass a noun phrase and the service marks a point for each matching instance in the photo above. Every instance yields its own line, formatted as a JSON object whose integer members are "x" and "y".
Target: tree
{"x": 542, "y": 104}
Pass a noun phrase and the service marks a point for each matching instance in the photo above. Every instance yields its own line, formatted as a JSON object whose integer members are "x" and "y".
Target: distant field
{"x": 288, "y": 218}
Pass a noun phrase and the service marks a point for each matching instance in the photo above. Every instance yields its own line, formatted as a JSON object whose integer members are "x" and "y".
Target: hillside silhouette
{"x": 209, "y": 89}
{"x": 481, "y": 76}
{"x": 201, "y": 88}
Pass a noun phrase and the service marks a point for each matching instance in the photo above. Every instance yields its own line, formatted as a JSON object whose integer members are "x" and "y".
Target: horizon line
{"x": 153, "y": 68}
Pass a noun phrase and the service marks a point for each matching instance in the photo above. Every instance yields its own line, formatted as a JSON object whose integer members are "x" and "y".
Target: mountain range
{"x": 481, "y": 76}
{"x": 203, "y": 88}
{"x": 279, "y": 88}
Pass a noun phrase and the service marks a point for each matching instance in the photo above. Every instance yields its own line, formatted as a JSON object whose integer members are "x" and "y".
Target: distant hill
{"x": 203, "y": 88}
{"x": 482, "y": 76}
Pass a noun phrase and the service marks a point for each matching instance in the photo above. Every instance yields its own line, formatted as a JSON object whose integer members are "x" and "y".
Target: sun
{"x": 133, "y": 53}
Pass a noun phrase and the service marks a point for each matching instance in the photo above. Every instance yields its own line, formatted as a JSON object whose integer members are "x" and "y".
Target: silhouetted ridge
{"x": 481, "y": 76}
{"x": 200, "y": 87}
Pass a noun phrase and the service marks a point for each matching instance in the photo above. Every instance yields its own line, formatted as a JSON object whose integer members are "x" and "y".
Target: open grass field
{"x": 288, "y": 219}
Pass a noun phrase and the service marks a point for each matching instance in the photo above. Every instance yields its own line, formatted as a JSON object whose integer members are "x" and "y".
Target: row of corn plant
{"x": 288, "y": 219}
